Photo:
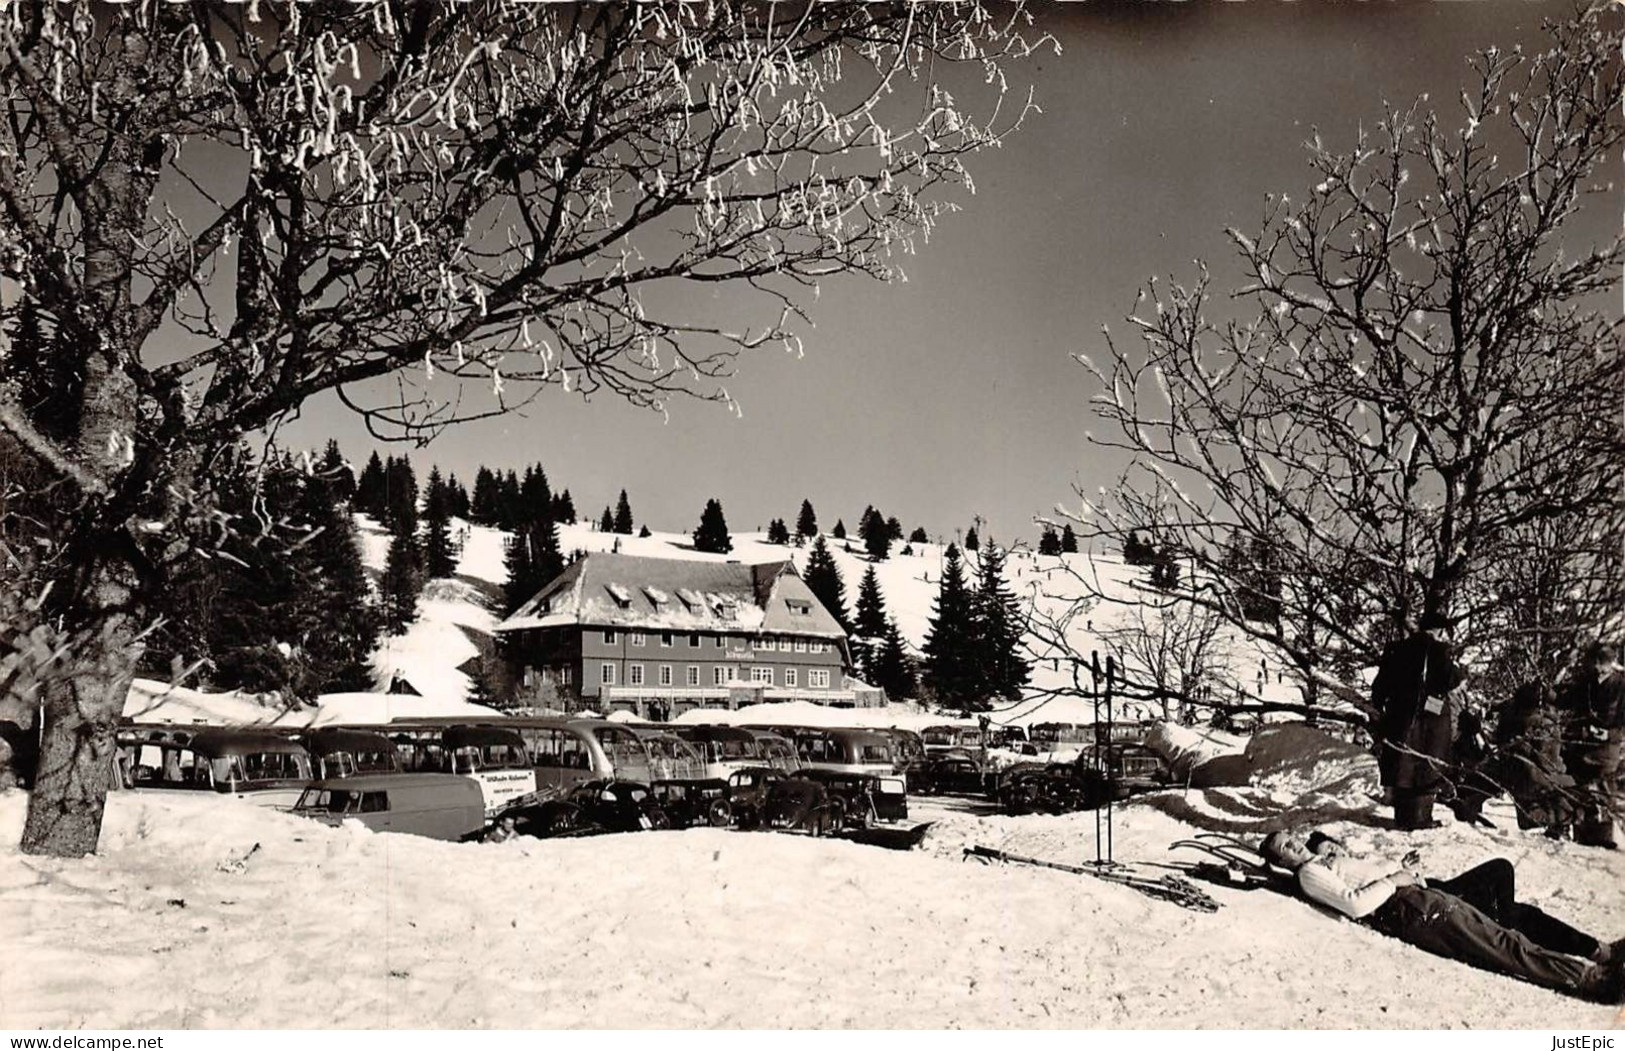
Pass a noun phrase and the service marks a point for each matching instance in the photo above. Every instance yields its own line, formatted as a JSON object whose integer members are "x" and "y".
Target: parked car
{"x": 592, "y": 807}
{"x": 1102, "y": 774}
{"x": 948, "y": 773}
{"x": 439, "y": 806}
{"x": 866, "y": 798}
{"x": 748, "y": 790}
{"x": 763, "y": 798}
{"x": 693, "y": 802}
{"x": 1127, "y": 767}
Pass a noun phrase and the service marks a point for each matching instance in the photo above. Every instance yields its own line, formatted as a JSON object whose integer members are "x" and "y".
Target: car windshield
{"x": 874, "y": 753}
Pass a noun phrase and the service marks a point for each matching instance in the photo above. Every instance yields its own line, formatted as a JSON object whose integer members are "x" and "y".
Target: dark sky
{"x": 953, "y": 394}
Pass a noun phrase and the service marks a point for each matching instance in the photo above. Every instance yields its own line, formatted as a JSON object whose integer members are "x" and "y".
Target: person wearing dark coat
{"x": 1411, "y": 695}
{"x": 1594, "y": 702}
{"x": 1527, "y": 760}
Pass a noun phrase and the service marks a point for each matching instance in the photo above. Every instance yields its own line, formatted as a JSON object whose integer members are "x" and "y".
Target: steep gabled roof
{"x": 636, "y": 593}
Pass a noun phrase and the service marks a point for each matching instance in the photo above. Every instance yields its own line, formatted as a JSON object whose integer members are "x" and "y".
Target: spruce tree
{"x": 606, "y": 524}
{"x": 337, "y": 480}
{"x": 807, "y": 521}
{"x": 918, "y": 536}
{"x": 712, "y": 534}
{"x": 401, "y": 583}
{"x": 564, "y": 509}
{"x": 400, "y": 496}
{"x": 522, "y": 575}
{"x": 1001, "y": 670}
{"x": 438, "y": 557}
{"x": 485, "y": 507}
{"x": 510, "y": 506}
{"x": 894, "y": 528}
{"x": 778, "y": 532}
{"x": 1136, "y": 552}
{"x": 893, "y": 670}
{"x": 345, "y": 620}
{"x": 547, "y": 556}
{"x": 870, "y": 619}
{"x": 1049, "y": 543}
{"x": 623, "y": 515}
{"x": 839, "y": 532}
{"x": 371, "y": 487}
{"x": 878, "y": 540}
{"x": 643, "y": 532}
{"x": 535, "y": 495}
{"x": 949, "y": 670}
{"x": 971, "y": 540}
{"x": 1069, "y": 541}
{"x": 823, "y": 578}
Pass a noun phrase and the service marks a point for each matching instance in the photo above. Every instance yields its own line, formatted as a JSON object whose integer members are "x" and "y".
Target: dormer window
{"x": 690, "y": 599}
{"x": 798, "y": 607}
{"x": 622, "y": 597}
{"x": 657, "y": 598}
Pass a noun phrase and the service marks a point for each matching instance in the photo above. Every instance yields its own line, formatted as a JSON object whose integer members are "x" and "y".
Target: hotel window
{"x": 693, "y": 675}
{"x": 665, "y": 675}
{"x": 666, "y": 639}
{"x": 789, "y": 676}
{"x": 721, "y": 642}
{"x": 818, "y": 678}
{"x": 636, "y": 638}
{"x": 609, "y": 638}
{"x": 694, "y": 640}
{"x": 606, "y": 674}
{"x": 634, "y": 675}
{"x": 801, "y": 645}
{"x": 762, "y": 675}
{"x": 567, "y": 675}
{"x": 785, "y": 645}
{"x": 721, "y": 674}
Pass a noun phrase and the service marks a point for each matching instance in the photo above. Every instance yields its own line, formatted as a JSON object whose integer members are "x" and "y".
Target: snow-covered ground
{"x": 203, "y": 911}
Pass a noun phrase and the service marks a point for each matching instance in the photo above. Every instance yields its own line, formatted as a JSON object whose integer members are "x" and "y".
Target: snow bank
{"x": 338, "y": 709}
{"x": 150, "y": 701}
{"x": 1189, "y": 749}
{"x": 806, "y": 713}
{"x": 339, "y": 927}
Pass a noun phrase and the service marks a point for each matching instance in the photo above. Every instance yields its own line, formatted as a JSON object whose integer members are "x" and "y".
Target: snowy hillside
{"x": 455, "y": 612}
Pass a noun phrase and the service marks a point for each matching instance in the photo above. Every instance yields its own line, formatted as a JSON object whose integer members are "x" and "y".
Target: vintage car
{"x": 948, "y": 773}
{"x": 768, "y": 799}
{"x": 591, "y": 808}
{"x": 866, "y": 799}
{"x": 691, "y": 802}
{"x": 1101, "y": 774}
{"x": 1127, "y": 767}
{"x": 439, "y": 806}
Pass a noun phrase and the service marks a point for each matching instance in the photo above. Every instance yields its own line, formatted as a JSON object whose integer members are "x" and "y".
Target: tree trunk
{"x": 79, "y": 715}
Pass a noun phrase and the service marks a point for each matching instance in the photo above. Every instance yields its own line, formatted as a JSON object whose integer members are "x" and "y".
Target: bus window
{"x": 465, "y": 761}
{"x": 374, "y": 802}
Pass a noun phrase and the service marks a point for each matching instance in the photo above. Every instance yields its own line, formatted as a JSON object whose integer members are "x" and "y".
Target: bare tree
{"x": 1174, "y": 648}
{"x": 1423, "y": 372}
{"x": 226, "y": 209}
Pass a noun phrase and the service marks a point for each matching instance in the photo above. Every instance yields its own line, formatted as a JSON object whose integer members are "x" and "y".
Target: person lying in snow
{"x": 1474, "y": 917}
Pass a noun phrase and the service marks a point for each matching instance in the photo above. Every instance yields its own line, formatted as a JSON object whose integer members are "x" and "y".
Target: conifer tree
{"x": 400, "y": 496}
{"x": 337, "y": 481}
{"x": 823, "y": 578}
{"x": 510, "y": 508}
{"x": 457, "y": 496}
{"x": 623, "y": 515}
{"x": 839, "y": 532}
{"x": 606, "y": 524}
{"x": 1049, "y": 543}
{"x": 949, "y": 670}
{"x": 1135, "y": 551}
{"x": 564, "y": 509}
{"x": 778, "y": 532}
{"x": 878, "y": 540}
{"x": 1069, "y": 541}
{"x": 438, "y": 557}
{"x": 371, "y": 487}
{"x": 522, "y": 574}
{"x": 535, "y": 495}
{"x": 643, "y": 532}
{"x": 712, "y": 534}
{"x": 547, "y": 556}
{"x": 870, "y": 619}
{"x": 401, "y": 583}
{"x": 918, "y": 536}
{"x": 345, "y": 619}
{"x": 485, "y": 507}
{"x": 807, "y": 521}
{"x": 893, "y": 669}
{"x": 894, "y": 528}
{"x": 1001, "y": 670}
{"x": 971, "y": 540}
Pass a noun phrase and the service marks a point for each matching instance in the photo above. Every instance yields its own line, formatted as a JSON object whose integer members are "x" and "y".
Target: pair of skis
{"x": 1177, "y": 889}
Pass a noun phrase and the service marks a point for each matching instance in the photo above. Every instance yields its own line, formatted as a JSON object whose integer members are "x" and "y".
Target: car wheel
{"x": 658, "y": 818}
{"x": 719, "y": 814}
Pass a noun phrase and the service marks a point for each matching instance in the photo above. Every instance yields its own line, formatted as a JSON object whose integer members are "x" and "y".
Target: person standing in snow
{"x": 1527, "y": 760}
{"x": 1474, "y": 918}
{"x": 1415, "y": 719}
{"x": 1594, "y": 702}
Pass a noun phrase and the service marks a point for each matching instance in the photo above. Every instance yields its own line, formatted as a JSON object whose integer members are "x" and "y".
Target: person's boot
{"x": 1604, "y": 983}
{"x": 1413, "y": 812}
{"x": 1594, "y": 831}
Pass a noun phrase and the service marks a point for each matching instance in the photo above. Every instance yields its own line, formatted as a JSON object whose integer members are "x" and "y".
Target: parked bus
{"x": 725, "y": 749}
{"x": 348, "y": 753}
{"x": 263, "y": 767}
{"x": 492, "y": 756}
{"x": 565, "y": 752}
{"x": 847, "y": 751}
{"x": 777, "y": 751}
{"x": 670, "y": 757}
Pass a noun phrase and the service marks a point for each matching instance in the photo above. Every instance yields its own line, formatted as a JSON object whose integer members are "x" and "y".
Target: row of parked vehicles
{"x": 453, "y": 779}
